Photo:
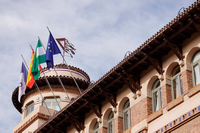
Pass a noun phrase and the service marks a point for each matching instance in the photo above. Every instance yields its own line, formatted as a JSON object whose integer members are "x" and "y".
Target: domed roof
{"x": 64, "y": 72}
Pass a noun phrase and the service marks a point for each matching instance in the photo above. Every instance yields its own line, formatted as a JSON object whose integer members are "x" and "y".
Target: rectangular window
{"x": 29, "y": 108}
{"x": 181, "y": 86}
{"x": 52, "y": 103}
{"x": 110, "y": 127}
{"x": 175, "y": 88}
{"x": 156, "y": 104}
{"x": 160, "y": 98}
{"x": 126, "y": 120}
{"x": 196, "y": 74}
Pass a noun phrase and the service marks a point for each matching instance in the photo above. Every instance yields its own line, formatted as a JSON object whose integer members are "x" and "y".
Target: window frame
{"x": 126, "y": 110}
{"x": 51, "y": 100}
{"x": 96, "y": 128}
{"x": 110, "y": 120}
{"x": 29, "y": 107}
{"x": 197, "y": 62}
{"x": 159, "y": 91}
{"x": 180, "y": 85}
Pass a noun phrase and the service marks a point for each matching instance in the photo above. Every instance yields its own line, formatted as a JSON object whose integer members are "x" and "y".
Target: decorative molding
{"x": 138, "y": 92}
{"x": 37, "y": 99}
{"x": 167, "y": 81}
{"x": 194, "y": 91}
{"x": 188, "y": 67}
{"x": 127, "y": 131}
{"x": 134, "y": 96}
{"x": 70, "y": 67}
{"x": 181, "y": 63}
{"x": 23, "y": 108}
{"x": 105, "y": 124}
{"x": 142, "y": 130}
{"x": 177, "y": 123}
{"x": 31, "y": 120}
{"x": 161, "y": 77}
{"x": 120, "y": 114}
{"x": 155, "y": 115}
{"x": 114, "y": 109}
{"x": 149, "y": 94}
{"x": 175, "y": 102}
{"x": 64, "y": 98}
{"x": 99, "y": 120}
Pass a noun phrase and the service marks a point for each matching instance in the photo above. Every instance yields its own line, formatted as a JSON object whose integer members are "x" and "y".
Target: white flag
{"x": 22, "y": 82}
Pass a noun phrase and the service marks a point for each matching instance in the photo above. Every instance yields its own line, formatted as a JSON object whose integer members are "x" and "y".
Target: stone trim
{"x": 194, "y": 91}
{"x": 155, "y": 115}
{"x": 127, "y": 131}
{"x": 31, "y": 120}
{"x": 180, "y": 121}
{"x": 142, "y": 130}
{"x": 175, "y": 102}
{"x": 71, "y": 68}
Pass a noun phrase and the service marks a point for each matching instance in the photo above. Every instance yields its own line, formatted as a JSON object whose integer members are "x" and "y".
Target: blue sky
{"x": 102, "y": 32}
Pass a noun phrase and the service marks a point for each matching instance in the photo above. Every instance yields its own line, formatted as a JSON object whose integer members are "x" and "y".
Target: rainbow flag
{"x": 30, "y": 79}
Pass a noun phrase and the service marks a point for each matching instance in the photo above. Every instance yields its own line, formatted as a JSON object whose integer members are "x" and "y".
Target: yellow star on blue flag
{"x": 52, "y": 49}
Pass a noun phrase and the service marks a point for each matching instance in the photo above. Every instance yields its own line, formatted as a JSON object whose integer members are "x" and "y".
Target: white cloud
{"x": 102, "y": 32}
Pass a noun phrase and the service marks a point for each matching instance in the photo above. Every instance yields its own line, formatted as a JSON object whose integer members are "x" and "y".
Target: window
{"x": 111, "y": 123}
{"x": 96, "y": 128}
{"x": 126, "y": 116}
{"x": 52, "y": 103}
{"x": 195, "y": 68}
{"x": 29, "y": 108}
{"x": 176, "y": 83}
{"x": 156, "y": 96}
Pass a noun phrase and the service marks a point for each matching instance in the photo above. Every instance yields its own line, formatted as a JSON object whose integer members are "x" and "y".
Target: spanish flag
{"x": 30, "y": 79}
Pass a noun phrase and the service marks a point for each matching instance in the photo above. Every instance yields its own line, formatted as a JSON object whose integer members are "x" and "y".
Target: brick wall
{"x": 118, "y": 125}
{"x": 166, "y": 94}
{"x": 140, "y": 111}
{"x": 186, "y": 81}
{"x": 192, "y": 126}
{"x": 103, "y": 130}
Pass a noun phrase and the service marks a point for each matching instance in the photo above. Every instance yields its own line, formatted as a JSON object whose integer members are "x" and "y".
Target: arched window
{"x": 156, "y": 96}
{"x": 126, "y": 116}
{"x": 52, "y": 103}
{"x": 176, "y": 83}
{"x": 29, "y": 108}
{"x": 111, "y": 123}
{"x": 96, "y": 128}
{"x": 195, "y": 68}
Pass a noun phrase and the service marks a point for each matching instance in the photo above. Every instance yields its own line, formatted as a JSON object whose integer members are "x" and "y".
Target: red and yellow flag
{"x": 30, "y": 79}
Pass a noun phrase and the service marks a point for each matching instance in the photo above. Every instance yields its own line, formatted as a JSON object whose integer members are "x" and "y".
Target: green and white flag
{"x": 39, "y": 58}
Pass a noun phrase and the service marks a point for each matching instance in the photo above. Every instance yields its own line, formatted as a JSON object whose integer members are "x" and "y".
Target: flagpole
{"x": 50, "y": 87}
{"x": 37, "y": 87}
{"x": 68, "y": 68}
{"x": 71, "y": 74}
{"x": 57, "y": 75}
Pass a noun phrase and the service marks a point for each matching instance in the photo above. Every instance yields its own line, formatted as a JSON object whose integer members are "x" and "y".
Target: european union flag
{"x": 52, "y": 49}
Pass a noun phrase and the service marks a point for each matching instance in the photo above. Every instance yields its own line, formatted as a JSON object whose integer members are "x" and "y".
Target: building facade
{"x": 155, "y": 89}
{"x": 34, "y": 102}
